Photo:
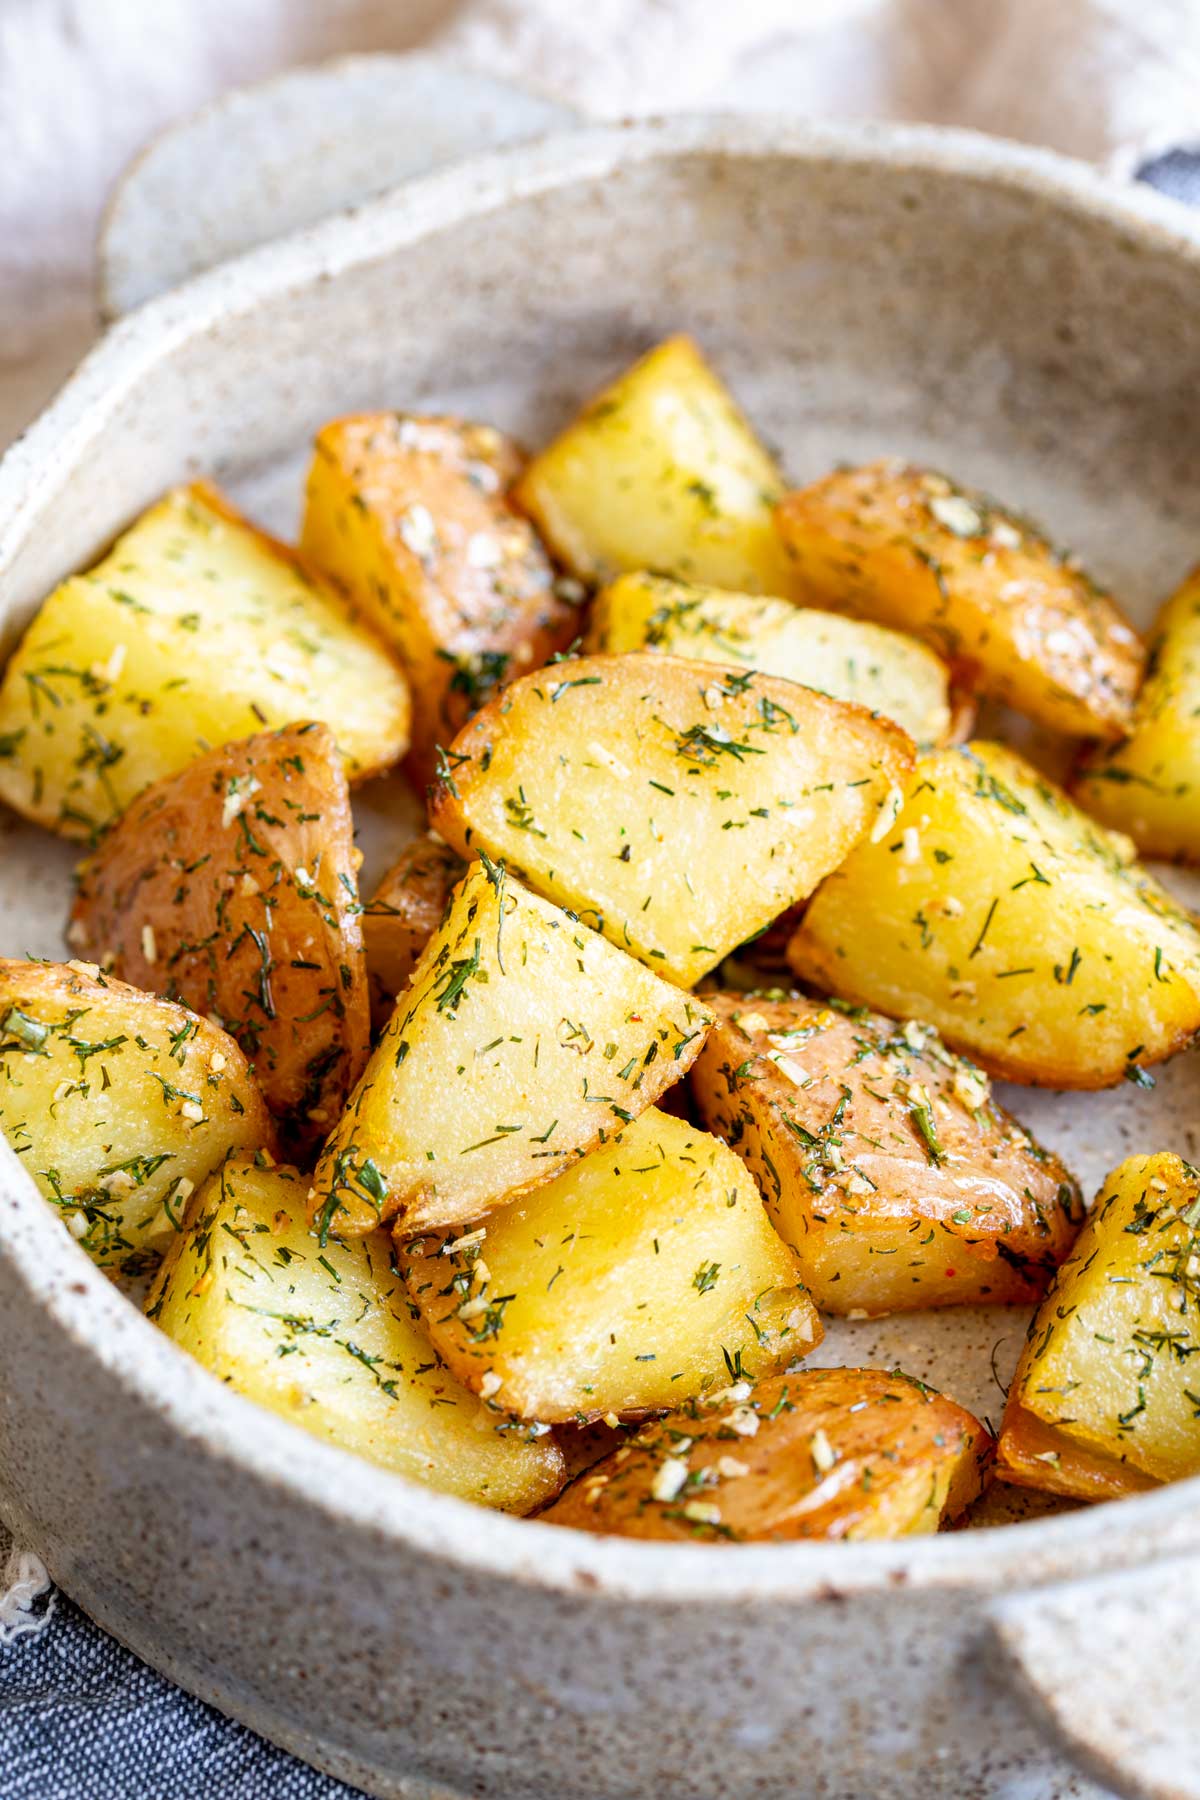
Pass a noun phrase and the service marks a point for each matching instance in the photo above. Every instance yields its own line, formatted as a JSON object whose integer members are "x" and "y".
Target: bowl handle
{"x": 290, "y": 151}
{"x": 1109, "y": 1665}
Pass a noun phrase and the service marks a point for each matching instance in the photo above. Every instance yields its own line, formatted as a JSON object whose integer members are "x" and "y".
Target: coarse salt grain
{"x": 740, "y": 1390}
{"x": 957, "y": 514}
{"x": 418, "y": 530}
{"x": 823, "y": 1454}
{"x": 889, "y": 812}
{"x": 702, "y": 1512}
{"x": 669, "y": 1478}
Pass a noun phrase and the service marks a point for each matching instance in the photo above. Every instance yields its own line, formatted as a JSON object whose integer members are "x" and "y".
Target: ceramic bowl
{"x": 990, "y": 309}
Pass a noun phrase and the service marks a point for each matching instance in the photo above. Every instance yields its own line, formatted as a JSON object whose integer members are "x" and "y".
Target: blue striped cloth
{"x": 82, "y": 1719}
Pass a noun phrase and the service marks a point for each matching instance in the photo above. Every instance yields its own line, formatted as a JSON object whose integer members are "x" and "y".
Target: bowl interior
{"x": 984, "y": 309}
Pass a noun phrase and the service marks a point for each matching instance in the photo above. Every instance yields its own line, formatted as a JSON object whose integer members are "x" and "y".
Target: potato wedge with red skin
{"x": 676, "y": 807}
{"x": 907, "y": 547}
{"x": 825, "y": 1453}
{"x": 882, "y": 1158}
{"x": 402, "y": 915}
{"x": 231, "y": 887}
{"x": 410, "y": 517}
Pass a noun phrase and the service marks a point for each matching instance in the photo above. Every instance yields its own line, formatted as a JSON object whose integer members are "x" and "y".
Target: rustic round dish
{"x": 996, "y": 310}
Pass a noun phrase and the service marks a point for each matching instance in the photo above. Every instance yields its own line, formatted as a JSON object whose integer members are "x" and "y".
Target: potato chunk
{"x": 826, "y": 1453}
{"x": 678, "y": 809}
{"x": 402, "y": 915}
{"x": 1149, "y": 786}
{"x": 883, "y": 1160}
{"x": 410, "y": 516}
{"x": 231, "y": 887}
{"x": 195, "y": 629}
{"x": 523, "y": 1041}
{"x": 326, "y": 1338}
{"x": 118, "y": 1105}
{"x": 882, "y": 670}
{"x": 645, "y": 1274}
{"x": 906, "y": 547}
{"x": 661, "y": 471}
{"x": 1001, "y": 914}
{"x": 1106, "y": 1385}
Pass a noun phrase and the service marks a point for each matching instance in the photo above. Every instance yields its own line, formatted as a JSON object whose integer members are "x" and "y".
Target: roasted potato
{"x": 882, "y": 1158}
{"x": 195, "y": 629}
{"x": 907, "y": 547}
{"x": 1149, "y": 785}
{"x": 1104, "y": 1398}
{"x": 402, "y": 915}
{"x": 882, "y": 670}
{"x": 410, "y": 517}
{"x": 677, "y": 808}
{"x": 327, "y": 1339}
{"x": 118, "y": 1105}
{"x": 1002, "y": 915}
{"x": 826, "y": 1453}
{"x": 523, "y": 1041}
{"x": 231, "y": 886}
{"x": 661, "y": 471}
{"x": 641, "y": 1276}
{"x": 1032, "y": 1454}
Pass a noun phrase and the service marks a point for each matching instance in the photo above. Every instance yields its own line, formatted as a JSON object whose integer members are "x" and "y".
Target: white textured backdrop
{"x": 84, "y": 83}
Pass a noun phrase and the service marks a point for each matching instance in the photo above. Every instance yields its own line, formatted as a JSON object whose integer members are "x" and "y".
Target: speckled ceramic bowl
{"x": 995, "y": 310}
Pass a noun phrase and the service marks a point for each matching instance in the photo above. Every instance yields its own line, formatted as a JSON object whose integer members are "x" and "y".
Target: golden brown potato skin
{"x": 410, "y": 516}
{"x": 231, "y": 887}
{"x": 402, "y": 915}
{"x": 906, "y": 547}
{"x": 882, "y": 1158}
{"x": 826, "y": 1453}
{"x": 1032, "y": 1454}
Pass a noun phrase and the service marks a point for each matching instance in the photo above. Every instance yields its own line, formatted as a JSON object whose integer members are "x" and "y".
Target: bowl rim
{"x": 96, "y": 1320}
